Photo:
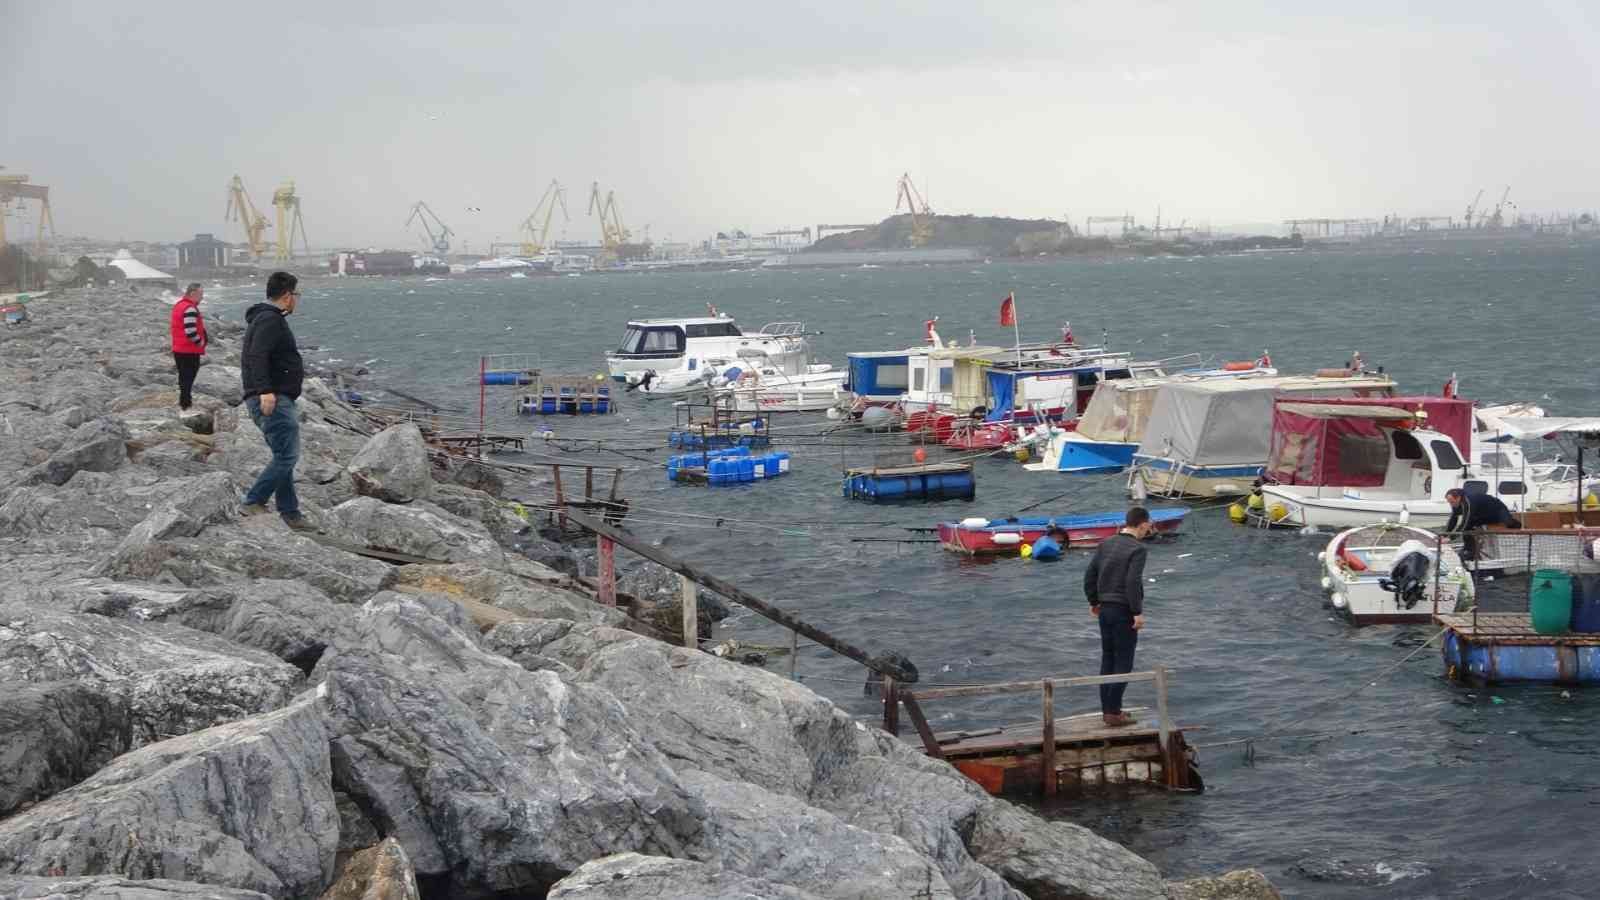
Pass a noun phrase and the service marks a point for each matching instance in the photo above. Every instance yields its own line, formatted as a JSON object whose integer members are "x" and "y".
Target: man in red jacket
{"x": 188, "y": 340}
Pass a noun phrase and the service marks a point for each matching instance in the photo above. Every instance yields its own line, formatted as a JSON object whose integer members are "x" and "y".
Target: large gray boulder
{"x": 753, "y": 831}
{"x": 289, "y": 619}
{"x": 497, "y": 778}
{"x": 505, "y": 526}
{"x": 418, "y": 529}
{"x": 393, "y": 466}
{"x": 889, "y": 788}
{"x": 539, "y": 596}
{"x": 1059, "y": 860}
{"x": 220, "y": 381}
{"x": 631, "y": 876}
{"x": 115, "y": 887}
{"x": 174, "y": 680}
{"x": 243, "y": 805}
{"x": 211, "y": 499}
{"x": 55, "y": 734}
{"x": 255, "y": 548}
{"x": 96, "y": 446}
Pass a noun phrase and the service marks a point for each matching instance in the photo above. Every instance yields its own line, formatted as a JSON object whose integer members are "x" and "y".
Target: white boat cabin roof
{"x": 697, "y": 320}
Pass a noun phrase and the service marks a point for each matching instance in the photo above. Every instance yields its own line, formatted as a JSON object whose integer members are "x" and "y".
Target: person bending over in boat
{"x": 1474, "y": 514}
{"x": 1114, "y": 584}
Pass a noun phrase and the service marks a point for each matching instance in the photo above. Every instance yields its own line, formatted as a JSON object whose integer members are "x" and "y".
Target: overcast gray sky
{"x": 706, "y": 115}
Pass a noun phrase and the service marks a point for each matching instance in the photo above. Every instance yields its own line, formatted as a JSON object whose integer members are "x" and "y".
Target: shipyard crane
{"x": 440, "y": 243}
{"x": 915, "y": 204}
{"x": 241, "y": 210}
{"x": 1472, "y": 208}
{"x": 537, "y": 227}
{"x": 16, "y": 187}
{"x": 1496, "y": 219}
{"x": 290, "y": 225}
{"x": 1125, "y": 220}
{"x": 612, "y": 233}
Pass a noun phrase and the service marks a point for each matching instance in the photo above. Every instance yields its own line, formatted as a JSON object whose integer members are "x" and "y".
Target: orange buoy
{"x": 920, "y": 455}
{"x": 1352, "y": 561}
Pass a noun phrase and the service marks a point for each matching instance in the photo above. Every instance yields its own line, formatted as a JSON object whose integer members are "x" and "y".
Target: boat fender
{"x": 1008, "y": 539}
{"x": 1238, "y": 366}
{"x": 1236, "y": 513}
{"x": 1278, "y": 512}
{"x": 1256, "y": 501}
{"x": 1026, "y": 551}
{"x": 974, "y": 522}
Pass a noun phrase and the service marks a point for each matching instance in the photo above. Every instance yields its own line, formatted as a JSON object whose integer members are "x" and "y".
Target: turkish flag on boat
{"x": 1008, "y": 310}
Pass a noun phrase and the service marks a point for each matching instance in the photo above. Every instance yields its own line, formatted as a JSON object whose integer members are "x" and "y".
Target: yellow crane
{"x": 537, "y": 227}
{"x": 612, "y": 233}
{"x": 240, "y": 209}
{"x": 914, "y": 203}
{"x": 16, "y": 187}
{"x": 290, "y": 224}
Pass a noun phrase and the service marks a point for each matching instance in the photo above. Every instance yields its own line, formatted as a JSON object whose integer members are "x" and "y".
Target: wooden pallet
{"x": 942, "y": 468}
{"x": 1510, "y": 628}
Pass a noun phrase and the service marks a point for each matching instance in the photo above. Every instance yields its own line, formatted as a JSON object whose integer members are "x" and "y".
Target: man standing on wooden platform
{"x": 1114, "y": 584}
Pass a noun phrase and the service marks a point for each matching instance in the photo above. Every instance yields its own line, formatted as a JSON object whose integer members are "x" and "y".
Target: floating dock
{"x": 1502, "y": 648}
{"x": 1056, "y": 755}
{"x": 931, "y": 481}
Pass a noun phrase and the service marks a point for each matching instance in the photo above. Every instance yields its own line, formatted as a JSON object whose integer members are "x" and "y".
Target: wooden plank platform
{"x": 478, "y": 441}
{"x": 1510, "y": 628}
{"x": 1029, "y": 736}
{"x": 942, "y": 468}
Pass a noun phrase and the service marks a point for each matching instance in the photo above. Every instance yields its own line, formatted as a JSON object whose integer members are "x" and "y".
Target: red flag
{"x": 1008, "y": 310}
{"x": 1450, "y": 387}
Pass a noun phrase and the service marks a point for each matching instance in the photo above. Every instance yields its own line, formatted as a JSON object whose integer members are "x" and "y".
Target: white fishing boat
{"x": 1389, "y": 573}
{"x": 770, "y": 390}
{"x": 683, "y": 346}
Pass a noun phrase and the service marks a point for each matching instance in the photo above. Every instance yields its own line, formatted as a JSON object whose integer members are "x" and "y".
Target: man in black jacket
{"x": 1474, "y": 513}
{"x": 1114, "y": 584}
{"x": 272, "y": 372}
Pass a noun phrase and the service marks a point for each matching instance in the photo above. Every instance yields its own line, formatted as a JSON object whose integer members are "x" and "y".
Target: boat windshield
{"x": 647, "y": 340}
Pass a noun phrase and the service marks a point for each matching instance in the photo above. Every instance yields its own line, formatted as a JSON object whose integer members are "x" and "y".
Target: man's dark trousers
{"x": 1117, "y": 642}
{"x": 188, "y": 368}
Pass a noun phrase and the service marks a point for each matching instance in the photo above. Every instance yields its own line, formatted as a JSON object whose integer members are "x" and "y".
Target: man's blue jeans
{"x": 282, "y": 431}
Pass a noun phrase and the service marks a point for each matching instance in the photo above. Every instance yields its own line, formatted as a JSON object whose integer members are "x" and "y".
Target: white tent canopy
{"x": 135, "y": 270}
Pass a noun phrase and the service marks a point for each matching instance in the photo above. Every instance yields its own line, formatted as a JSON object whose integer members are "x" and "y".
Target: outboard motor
{"x": 1408, "y": 579}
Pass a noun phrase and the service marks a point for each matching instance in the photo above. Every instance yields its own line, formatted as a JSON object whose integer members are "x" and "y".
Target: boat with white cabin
{"x": 683, "y": 346}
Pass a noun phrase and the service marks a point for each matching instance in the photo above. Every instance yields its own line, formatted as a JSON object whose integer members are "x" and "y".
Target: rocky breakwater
{"x": 197, "y": 705}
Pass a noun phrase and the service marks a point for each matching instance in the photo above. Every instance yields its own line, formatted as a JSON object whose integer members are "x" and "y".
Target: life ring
{"x": 1238, "y": 366}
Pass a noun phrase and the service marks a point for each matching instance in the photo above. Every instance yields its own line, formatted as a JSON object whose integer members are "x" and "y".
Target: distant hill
{"x": 992, "y": 234}
{"x": 1000, "y": 236}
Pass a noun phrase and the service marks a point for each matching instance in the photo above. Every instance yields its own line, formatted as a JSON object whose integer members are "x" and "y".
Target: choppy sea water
{"x": 1421, "y": 788}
